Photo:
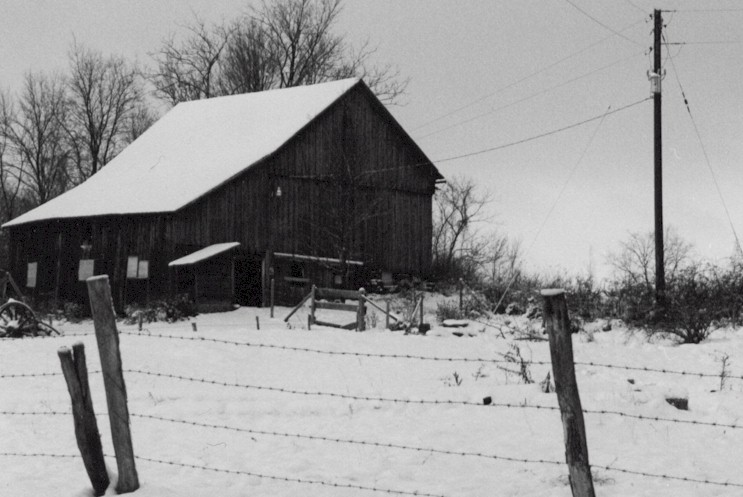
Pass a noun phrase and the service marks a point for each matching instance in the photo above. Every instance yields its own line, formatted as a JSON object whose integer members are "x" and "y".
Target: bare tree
{"x": 189, "y": 69}
{"x": 283, "y": 43}
{"x": 103, "y": 93}
{"x": 137, "y": 122}
{"x": 247, "y": 63}
{"x": 458, "y": 207}
{"x": 635, "y": 261}
{"x": 503, "y": 258}
{"x": 36, "y": 137}
{"x": 9, "y": 173}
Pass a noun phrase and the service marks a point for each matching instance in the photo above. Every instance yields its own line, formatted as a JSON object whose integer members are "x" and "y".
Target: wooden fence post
{"x": 86, "y": 428}
{"x": 557, "y": 323}
{"x": 461, "y": 292}
{"x": 421, "y": 321}
{"x": 312, "y": 304}
{"x": 387, "y": 315}
{"x": 360, "y": 313}
{"x": 273, "y": 291}
{"x": 107, "y": 336}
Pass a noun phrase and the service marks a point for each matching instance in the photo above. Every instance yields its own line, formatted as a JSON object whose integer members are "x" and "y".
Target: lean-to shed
{"x": 314, "y": 184}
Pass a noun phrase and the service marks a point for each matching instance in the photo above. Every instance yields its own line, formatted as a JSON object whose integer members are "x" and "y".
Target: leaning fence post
{"x": 107, "y": 336}
{"x": 556, "y": 321}
{"x": 86, "y": 428}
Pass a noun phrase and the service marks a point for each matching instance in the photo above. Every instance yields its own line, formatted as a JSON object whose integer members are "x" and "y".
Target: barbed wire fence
{"x": 41, "y": 376}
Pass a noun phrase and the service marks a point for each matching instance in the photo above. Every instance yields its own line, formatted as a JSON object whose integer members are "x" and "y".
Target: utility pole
{"x": 656, "y": 77}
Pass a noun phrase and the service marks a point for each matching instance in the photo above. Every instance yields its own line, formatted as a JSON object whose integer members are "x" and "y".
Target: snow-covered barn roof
{"x": 191, "y": 150}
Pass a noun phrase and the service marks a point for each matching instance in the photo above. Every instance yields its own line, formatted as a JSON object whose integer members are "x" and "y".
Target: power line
{"x": 543, "y": 135}
{"x": 721, "y": 42}
{"x": 636, "y": 6}
{"x": 602, "y": 24}
{"x": 525, "y": 78}
{"x": 529, "y": 97}
{"x": 554, "y": 204}
{"x": 706, "y": 156}
{"x": 705, "y": 10}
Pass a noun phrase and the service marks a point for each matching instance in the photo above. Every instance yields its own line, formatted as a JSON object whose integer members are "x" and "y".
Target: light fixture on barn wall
{"x": 278, "y": 191}
{"x": 86, "y": 247}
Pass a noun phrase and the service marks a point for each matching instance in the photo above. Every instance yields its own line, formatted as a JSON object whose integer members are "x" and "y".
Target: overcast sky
{"x": 485, "y": 74}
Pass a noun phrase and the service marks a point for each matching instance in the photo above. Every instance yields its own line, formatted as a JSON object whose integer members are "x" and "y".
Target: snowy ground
{"x": 457, "y": 430}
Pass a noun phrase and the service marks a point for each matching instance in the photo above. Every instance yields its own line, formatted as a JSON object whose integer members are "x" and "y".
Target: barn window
{"x": 296, "y": 270}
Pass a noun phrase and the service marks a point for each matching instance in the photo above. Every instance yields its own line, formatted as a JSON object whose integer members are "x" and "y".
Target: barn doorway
{"x": 248, "y": 286}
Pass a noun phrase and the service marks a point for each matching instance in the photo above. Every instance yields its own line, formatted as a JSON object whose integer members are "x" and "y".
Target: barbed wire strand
{"x": 448, "y": 402}
{"x": 505, "y": 405}
{"x": 40, "y": 375}
{"x": 341, "y": 485}
{"x": 287, "y": 478}
{"x": 428, "y": 358}
{"x": 668, "y": 477}
{"x": 346, "y": 440}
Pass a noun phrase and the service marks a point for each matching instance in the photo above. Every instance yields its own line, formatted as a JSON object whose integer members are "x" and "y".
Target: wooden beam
{"x": 336, "y": 306}
{"x": 335, "y": 293}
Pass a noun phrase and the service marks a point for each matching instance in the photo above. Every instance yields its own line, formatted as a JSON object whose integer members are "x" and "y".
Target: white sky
{"x": 458, "y": 52}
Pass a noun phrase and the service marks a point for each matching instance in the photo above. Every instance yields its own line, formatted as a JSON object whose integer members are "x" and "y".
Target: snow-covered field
{"x": 267, "y": 439}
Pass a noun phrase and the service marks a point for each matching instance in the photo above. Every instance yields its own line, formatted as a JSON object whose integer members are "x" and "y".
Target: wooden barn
{"x": 315, "y": 184}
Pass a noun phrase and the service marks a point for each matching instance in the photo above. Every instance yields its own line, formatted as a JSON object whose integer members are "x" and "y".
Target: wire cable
{"x": 536, "y": 137}
{"x": 706, "y": 156}
{"x": 602, "y": 24}
{"x": 519, "y": 81}
{"x": 529, "y": 97}
{"x": 554, "y": 204}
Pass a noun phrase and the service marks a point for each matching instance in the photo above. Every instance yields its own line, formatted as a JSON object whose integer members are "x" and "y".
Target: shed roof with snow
{"x": 191, "y": 150}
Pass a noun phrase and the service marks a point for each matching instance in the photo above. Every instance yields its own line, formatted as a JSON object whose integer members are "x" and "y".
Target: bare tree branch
{"x": 103, "y": 94}
{"x": 37, "y": 139}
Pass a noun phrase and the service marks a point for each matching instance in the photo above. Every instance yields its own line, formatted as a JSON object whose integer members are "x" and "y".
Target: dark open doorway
{"x": 248, "y": 288}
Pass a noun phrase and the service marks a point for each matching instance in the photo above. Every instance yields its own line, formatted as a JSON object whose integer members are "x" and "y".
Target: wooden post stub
{"x": 193, "y": 326}
{"x": 257, "y": 323}
{"x": 86, "y": 427}
{"x": 312, "y": 304}
{"x": 273, "y": 291}
{"x": 557, "y": 323}
{"x": 107, "y": 336}
{"x": 140, "y": 321}
{"x": 309, "y": 322}
{"x": 421, "y": 320}
{"x": 387, "y": 315}
{"x": 461, "y": 292}
{"x": 360, "y": 312}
